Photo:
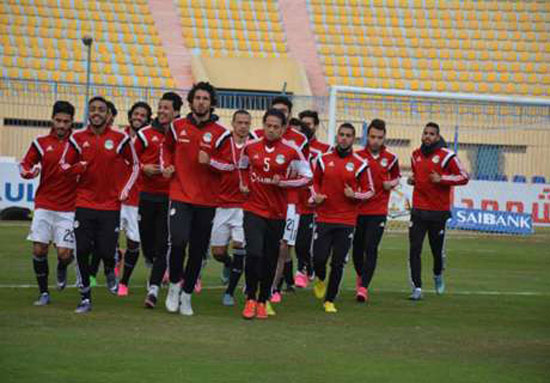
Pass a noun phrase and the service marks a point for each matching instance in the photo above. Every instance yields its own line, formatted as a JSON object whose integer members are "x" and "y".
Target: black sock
{"x": 236, "y": 270}
{"x": 62, "y": 263}
{"x": 287, "y": 273}
{"x": 86, "y": 293}
{"x": 130, "y": 260}
{"x": 41, "y": 270}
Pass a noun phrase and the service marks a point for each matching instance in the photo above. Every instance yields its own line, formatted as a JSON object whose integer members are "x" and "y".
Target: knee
{"x": 220, "y": 254}
{"x": 40, "y": 250}
{"x": 132, "y": 245}
{"x": 64, "y": 254}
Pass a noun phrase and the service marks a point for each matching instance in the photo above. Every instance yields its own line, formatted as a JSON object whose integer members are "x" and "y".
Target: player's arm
{"x": 127, "y": 151}
{"x": 216, "y": 159}
{"x": 167, "y": 150}
{"x": 394, "y": 173}
{"x": 316, "y": 196}
{"x": 29, "y": 166}
{"x": 71, "y": 162}
{"x": 299, "y": 166}
{"x": 366, "y": 185}
{"x": 455, "y": 174}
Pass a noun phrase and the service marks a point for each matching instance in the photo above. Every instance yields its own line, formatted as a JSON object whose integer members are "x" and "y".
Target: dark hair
{"x": 377, "y": 124}
{"x": 206, "y": 86}
{"x": 311, "y": 114}
{"x": 282, "y": 100}
{"x": 433, "y": 125}
{"x": 144, "y": 105}
{"x": 276, "y": 113}
{"x": 98, "y": 98}
{"x": 240, "y": 111}
{"x": 295, "y": 122}
{"x": 112, "y": 108}
{"x": 347, "y": 125}
{"x": 63, "y": 107}
{"x": 175, "y": 98}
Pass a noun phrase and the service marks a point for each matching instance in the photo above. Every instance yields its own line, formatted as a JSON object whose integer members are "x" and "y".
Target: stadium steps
{"x": 169, "y": 29}
{"x": 301, "y": 42}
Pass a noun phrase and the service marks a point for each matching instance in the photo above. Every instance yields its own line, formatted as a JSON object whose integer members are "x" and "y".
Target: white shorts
{"x": 227, "y": 226}
{"x": 291, "y": 225}
{"x": 129, "y": 222}
{"x": 53, "y": 226}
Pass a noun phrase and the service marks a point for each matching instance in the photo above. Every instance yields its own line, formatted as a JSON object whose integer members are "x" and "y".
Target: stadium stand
{"x": 487, "y": 47}
{"x": 41, "y": 39}
{"x": 237, "y": 29}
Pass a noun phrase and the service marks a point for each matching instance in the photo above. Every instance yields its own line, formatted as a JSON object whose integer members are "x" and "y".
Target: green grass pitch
{"x": 492, "y": 325}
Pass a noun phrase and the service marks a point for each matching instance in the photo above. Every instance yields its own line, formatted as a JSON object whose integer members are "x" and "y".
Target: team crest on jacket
{"x": 109, "y": 145}
{"x": 384, "y": 162}
{"x": 207, "y": 137}
{"x": 292, "y": 142}
{"x": 155, "y": 138}
{"x": 350, "y": 167}
{"x": 435, "y": 159}
{"x": 49, "y": 148}
{"x": 86, "y": 144}
{"x": 183, "y": 133}
{"x": 280, "y": 159}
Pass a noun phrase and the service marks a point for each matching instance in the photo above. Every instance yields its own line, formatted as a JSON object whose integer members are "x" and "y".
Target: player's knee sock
{"x": 130, "y": 260}
{"x": 41, "y": 270}
{"x": 236, "y": 270}
{"x": 288, "y": 273}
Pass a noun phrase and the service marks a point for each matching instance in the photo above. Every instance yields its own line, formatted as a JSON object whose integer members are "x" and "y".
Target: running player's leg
{"x": 105, "y": 239}
{"x": 220, "y": 238}
{"x": 147, "y": 229}
{"x": 341, "y": 243}
{"x": 303, "y": 250}
{"x": 436, "y": 237}
{"x": 84, "y": 226}
{"x": 132, "y": 243}
{"x": 41, "y": 233}
{"x": 359, "y": 248}
{"x": 159, "y": 221}
{"x": 374, "y": 230}
{"x": 64, "y": 242}
{"x": 322, "y": 245}
{"x": 255, "y": 231}
{"x": 237, "y": 264}
{"x": 417, "y": 232}
{"x": 273, "y": 237}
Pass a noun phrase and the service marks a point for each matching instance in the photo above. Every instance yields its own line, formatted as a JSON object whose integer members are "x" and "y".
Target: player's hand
{"x": 204, "y": 158}
{"x": 243, "y": 188}
{"x": 30, "y": 174}
{"x": 151, "y": 169}
{"x": 435, "y": 177}
{"x": 387, "y": 185}
{"x": 319, "y": 198}
{"x": 168, "y": 171}
{"x": 411, "y": 181}
{"x": 348, "y": 191}
{"x": 276, "y": 179}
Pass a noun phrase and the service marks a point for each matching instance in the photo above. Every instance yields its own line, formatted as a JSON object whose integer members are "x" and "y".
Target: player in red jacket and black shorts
{"x": 139, "y": 116}
{"x": 310, "y": 125}
{"x": 193, "y": 191}
{"x": 153, "y": 196}
{"x": 341, "y": 180}
{"x": 90, "y": 154}
{"x": 435, "y": 169}
{"x": 271, "y": 163}
{"x": 54, "y": 200}
{"x": 371, "y": 222}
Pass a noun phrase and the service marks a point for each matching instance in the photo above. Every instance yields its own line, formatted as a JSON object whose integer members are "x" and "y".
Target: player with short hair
{"x": 193, "y": 191}
{"x": 154, "y": 188}
{"x": 54, "y": 200}
{"x": 273, "y": 165}
{"x": 435, "y": 169}
{"x": 139, "y": 116}
{"x": 310, "y": 125}
{"x": 90, "y": 154}
{"x": 228, "y": 221}
{"x": 341, "y": 180}
{"x": 371, "y": 221}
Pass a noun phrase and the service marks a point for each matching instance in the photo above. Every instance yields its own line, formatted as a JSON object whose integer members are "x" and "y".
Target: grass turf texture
{"x": 491, "y": 325}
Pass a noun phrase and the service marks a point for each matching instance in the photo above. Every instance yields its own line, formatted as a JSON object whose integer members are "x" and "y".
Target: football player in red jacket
{"x": 54, "y": 200}
{"x": 435, "y": 170}
{"x": 341, "y": 180}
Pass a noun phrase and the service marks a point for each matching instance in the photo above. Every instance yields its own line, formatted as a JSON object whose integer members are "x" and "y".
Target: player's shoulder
{"x": 416, "y": 152}
{"x": 298, "y": 135}
{"x": 42, "y": 138}
{"x": 389, "y": 154}
{"x": 253, "y": 143}
{"x": 359, "y": 159}
{"x": 118, "y": 134}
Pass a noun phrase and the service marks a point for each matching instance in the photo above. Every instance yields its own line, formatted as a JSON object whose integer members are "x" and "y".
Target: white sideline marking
{"x": 404, "y": 291}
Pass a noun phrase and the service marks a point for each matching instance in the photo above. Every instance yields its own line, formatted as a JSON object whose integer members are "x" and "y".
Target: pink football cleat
{"x": 276, "y": 297}
{"x": 122, "y": 290}
{"x": 301, "y": 280}
{"x": 198, "y": 286}
{"x": 362, "y": 294}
